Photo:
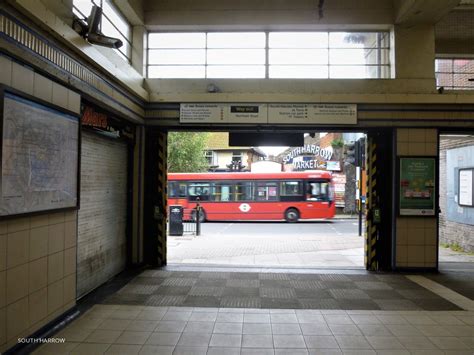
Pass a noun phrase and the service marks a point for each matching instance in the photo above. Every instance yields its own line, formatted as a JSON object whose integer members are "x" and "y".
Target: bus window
{"x": 172, "y": 191}
{"x": 199, "y": 189}
{"x": 317, "y": 191}
{"x": 243, "y": 191}
{"x": 267, "y": 191}
{"x": 221, "y": 192}
{"x": 291, "y": 191}
{"x": 182, "y": 189}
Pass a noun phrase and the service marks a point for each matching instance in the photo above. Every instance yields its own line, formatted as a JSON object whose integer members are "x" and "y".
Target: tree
{"x": 186, "y": 152}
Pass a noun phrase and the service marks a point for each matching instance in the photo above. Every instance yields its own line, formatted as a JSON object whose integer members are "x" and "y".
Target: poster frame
{"x": 459, "y": 187}
{"x": 8, "y": 89}
{"x": 435, "y": 190}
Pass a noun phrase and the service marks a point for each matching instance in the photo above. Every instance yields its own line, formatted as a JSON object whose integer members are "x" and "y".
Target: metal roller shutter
{"x": 102, "y": 218}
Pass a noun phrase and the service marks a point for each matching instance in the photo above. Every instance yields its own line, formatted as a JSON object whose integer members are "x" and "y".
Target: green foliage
{"x": 186, "y": 152}
{"x": 337, "y": 143}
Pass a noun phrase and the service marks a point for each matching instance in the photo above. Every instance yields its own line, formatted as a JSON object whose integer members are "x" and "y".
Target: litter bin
{"x": 176, "y": 220}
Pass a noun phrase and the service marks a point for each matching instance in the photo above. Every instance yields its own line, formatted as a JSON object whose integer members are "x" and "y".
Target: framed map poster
{"x": 417, "y": 186}
{"x": 465, "y": 187}
{"x": 39, "y": 156}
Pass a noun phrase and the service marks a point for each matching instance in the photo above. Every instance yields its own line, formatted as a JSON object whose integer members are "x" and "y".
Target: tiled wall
{"x": 416, "y": 237}
{"x": 38, "y": 253}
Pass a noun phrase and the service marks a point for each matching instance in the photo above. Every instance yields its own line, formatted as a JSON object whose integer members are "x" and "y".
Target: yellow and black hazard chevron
{"x": 162, "y": 192}
{"x": 371, "y": 203}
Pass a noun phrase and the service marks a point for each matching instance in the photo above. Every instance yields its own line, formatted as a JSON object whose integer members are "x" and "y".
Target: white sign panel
{"x": 312, "y": 113}
{"x": 333, "y": 114}
{"x": 223, "y": 113}
{"x": 465, "y": 187}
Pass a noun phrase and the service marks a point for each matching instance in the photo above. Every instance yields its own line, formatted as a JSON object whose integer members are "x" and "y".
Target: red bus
{"x": 286, "y": 196}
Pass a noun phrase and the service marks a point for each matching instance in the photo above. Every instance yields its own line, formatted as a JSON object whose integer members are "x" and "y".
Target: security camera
{"x": 94, "y": 35}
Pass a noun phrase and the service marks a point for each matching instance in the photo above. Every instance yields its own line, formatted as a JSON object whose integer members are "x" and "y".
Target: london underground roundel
{"x": 244, "y": 207}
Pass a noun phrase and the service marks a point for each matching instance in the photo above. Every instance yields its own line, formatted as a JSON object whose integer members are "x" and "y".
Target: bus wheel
{"x": 292, "y": 215}
{"x": 202, "y": 215}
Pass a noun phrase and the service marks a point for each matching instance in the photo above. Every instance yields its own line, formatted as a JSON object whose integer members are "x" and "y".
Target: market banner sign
{"x": 417, "y": 186}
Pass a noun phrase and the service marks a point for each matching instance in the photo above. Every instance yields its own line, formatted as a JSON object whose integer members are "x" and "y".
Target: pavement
{"x": 310, "y": 244}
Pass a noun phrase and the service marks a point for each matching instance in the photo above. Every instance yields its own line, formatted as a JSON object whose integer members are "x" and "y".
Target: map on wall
{"x": 39, "y": 157}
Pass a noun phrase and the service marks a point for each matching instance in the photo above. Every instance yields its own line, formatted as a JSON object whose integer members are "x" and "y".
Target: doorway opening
{"x": 278, "y": 206}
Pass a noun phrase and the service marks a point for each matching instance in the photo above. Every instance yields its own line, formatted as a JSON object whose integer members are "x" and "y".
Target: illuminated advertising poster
{"x": 417, "y": 186}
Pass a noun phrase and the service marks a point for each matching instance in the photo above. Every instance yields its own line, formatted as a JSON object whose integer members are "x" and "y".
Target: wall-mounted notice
{"x": 332, "y": 114}
{"x": 39, "y": 157}
{"x": 466, "y": 191}
{"x": 312, "y": 113}
{"x": 223, "y": 113}
{"x": 417, "y": 186}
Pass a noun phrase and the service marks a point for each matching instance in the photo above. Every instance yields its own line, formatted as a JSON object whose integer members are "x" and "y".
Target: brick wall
{"x": 452, "y": 232}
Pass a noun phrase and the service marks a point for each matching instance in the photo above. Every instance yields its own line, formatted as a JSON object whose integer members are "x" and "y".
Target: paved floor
{"x": 118, "y": 329}
{"x": 278, "y": 290}
{"x": 332, "y": 244}
{"x": 327, "y": 244}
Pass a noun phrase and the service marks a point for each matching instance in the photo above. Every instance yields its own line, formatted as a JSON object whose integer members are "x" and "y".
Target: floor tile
{"x": 190, "y": 350}
{"x": 257, "y": 328}
{"x": 448, "y": 343}
{"x": 416, "y": 342}
{"x": 192, "y": 339}
{"x": 103, "y": 336}
{"x": 228, "y": 328}
{"x": 123, "y": 349}
{"x": 256, "y": 318}
{"x": 90, "y": 349}
{"x": 289, "y": 341}
{"x": 156, "y": 350}
{"x": 344, "y": 329}
{"x": 257, "y": 341}
{"x": 286, "y": 329}
{"x": 199, "y": 327}
{"x": 170, "y": 326}
{"x": 352, "y": 342}
{"x": 321, "y": 342}
{"x": 130, "y": 337}
{"x": 229, "y": 340}
{"x": 315, "y": 329}
{"x": 223, "y": 351}
{"x": 168, "y": 339}
{"x": 230, "y": 317}
{"x": 384, "y": 343}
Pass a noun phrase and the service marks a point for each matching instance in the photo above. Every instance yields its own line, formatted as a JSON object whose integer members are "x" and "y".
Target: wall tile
{"x": 415, "y": 254}
{"x": 402, "y": 254}
{"x": 39, "y": 242}
{"x": 22, "y": 78}
{"x": 18, "y": 248}
{"x": 74, "y": 101}
{"x": 402, "y": 149}
{"x": 55, "y": 296}
{"x": 3, "y": 289}
{"x": 60, "y": 94}
{"x": 55, "y": 218}
{"x": 18, "y": 224}
{"x": 70, "y": 216}
{"x": 431, "y": 135}
{"x": 402, "y": 236}
{"x": 431, "y": 253}
{"x": 17, "y": 283}
{"x": 38, "y": 274}
{"x": 415, "y": 148}
{"x": 70, "y": 234}
{"x": 3, "y": 251}
{"x": 37, "y": 306}
{"x": 5, "y": 71}
{"x": 416, "y": 236}
{"x": 431, "y": 149}
{"x": 3, "y": 328}
{"x": 70, "y": 261}
{"x": 416, "y": 222}
{"x": 55, "y": 267}
{"x": 416, "y": 135}
{"x": 69, "y": 288}
{"x": 42, "y": 88}
{"x": 431, "y": 237}
{"x": 3, "y": 227}
{"x": 55, "y": 238}
{"x": 17, "y": 318}
{"x": 402, "y": 135}
{"x": 39, "y": 221}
